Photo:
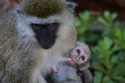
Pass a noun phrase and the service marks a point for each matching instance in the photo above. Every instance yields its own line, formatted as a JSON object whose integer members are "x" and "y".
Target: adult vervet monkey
{"x": 33, "y": 36}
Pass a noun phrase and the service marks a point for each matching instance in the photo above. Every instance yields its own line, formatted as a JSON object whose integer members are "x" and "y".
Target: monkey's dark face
{"x": 46, "y": 34}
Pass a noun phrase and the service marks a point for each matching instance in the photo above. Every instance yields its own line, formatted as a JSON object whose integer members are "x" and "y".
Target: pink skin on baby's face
{"x": 80, "y": 55}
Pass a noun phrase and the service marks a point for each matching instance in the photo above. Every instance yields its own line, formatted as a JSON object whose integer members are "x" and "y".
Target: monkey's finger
{"x": 76, "y": 59}
{"x": 71, "y": 62}
{"x": 55, "y": 69}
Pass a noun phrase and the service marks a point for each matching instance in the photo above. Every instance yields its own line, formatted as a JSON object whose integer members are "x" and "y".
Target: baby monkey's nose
{"x": 83, "y": 58}
{"x": 78, "y": 51}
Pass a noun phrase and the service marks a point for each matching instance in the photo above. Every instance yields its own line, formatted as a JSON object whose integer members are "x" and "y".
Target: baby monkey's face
{"x": 80, "y": 56}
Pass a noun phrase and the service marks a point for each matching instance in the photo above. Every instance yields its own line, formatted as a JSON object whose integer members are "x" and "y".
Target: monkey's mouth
{"x": 45, "y": 34}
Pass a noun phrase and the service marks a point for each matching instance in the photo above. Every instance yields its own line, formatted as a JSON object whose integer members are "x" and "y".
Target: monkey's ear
{"x": 71, "y": 5}
{"x": 10, "y": 3}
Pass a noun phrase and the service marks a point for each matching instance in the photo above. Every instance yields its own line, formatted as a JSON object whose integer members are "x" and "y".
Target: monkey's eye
{"x": 19, "y": 11}
{"x": 51, "y": 27}
{"x": 37, "y": 26}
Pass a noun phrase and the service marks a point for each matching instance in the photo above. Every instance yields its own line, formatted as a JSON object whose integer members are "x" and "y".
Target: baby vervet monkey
{"x": 33, "y": 37}
{"x": 67, "y": 72}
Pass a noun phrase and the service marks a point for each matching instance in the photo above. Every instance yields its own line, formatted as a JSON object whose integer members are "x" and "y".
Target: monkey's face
{"x": 43, "y": 31}
{"x": 45, "y": 34}
{"x": 45, "y": 21}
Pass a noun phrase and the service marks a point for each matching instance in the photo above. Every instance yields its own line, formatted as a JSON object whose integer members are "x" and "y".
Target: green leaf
{"x": 114, "y": 16}
{"x": 107, "y": 79}
{"x": 101, "y": 20}
{"x": 107, "y": 14}
{"x": 77, "y": 22}
{"x": 98, "y": 77}
{"x": 85, "y": 16}
{"x": 114, "y": 59}
{"x": 108, "y": 42}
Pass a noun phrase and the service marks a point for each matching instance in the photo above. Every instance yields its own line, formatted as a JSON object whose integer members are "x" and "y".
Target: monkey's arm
{"x": 87, "y": 76}
{"x": 66, "y": 74}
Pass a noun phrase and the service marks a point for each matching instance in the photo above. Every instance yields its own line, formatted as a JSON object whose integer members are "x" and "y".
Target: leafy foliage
{"x": 107, "y": 44}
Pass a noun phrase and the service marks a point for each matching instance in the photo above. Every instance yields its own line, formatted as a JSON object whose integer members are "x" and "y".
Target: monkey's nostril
{"x": 78, "y": 51}
{"x": 83, "y": 58}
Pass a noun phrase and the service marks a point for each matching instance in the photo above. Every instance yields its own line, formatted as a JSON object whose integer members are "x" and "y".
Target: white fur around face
{"x": 24, "y": 25}
{"x": 65, "y": 41}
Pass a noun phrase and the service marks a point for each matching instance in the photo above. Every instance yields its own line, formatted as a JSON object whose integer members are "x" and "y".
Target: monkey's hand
{"x": 80, "y": 56}
{"x": 55, "y": 69}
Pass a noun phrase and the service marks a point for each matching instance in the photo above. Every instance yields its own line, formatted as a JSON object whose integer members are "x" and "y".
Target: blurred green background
{"x": 105, "y": 35}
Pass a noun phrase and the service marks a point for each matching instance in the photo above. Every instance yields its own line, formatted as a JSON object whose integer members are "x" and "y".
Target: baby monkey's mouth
{"x": 46, "y": 34}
